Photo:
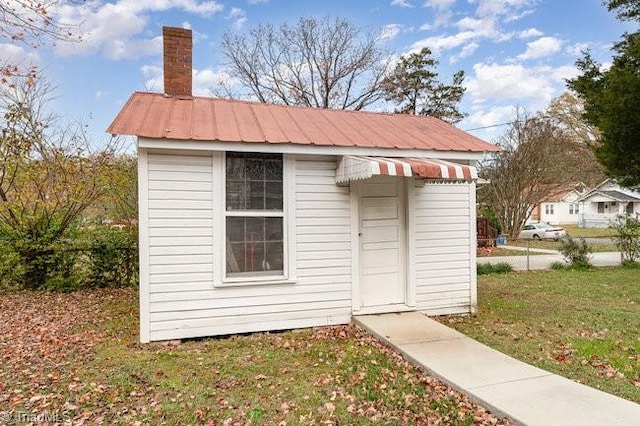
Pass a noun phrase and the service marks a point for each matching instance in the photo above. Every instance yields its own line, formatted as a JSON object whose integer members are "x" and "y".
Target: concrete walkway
{"x": 508, "y": 387}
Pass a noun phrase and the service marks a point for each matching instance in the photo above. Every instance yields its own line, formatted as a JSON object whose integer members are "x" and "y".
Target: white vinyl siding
{"x": 183, "y": 300}
{"x": 323, "y": 236}
{"x": 181, "y": 251}
{"x": 441, "y": 239}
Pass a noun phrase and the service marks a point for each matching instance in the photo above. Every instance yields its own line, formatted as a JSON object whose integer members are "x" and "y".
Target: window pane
{"x": 273, "y": 170}
{"x": 254, "y": 182}
{"x": 254, "y": 168}
{"x": 255, "y": 229}
{"x": 273, "y": 228}
{"x": 235, "y": 229}
{"x": 256, "y": 195}
{"x": 235, "y": 166}
{"x": 235, "y": 258}
{"x": 273, "y": 196}
{"x": 236, "y": 195}
{"x": 254, "y": 244}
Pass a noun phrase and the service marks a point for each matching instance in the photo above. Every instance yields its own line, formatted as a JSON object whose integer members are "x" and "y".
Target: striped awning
{"x": 355, "y": 167}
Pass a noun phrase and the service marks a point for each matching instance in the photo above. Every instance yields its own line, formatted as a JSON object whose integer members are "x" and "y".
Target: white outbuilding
{"x": 265, "y": 217}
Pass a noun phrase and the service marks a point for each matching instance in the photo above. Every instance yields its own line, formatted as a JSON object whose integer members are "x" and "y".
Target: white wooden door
{"x": 382, "y": 244}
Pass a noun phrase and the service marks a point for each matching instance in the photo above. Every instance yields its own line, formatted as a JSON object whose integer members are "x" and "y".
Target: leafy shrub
{"x": 10, "y": 266}
{"x": 493, "y": 268}
{"x": 114, "y": 258}
{"x": 576, "y": 253}
{"x": 627, "y": 238}
{"x": 558, "y": 266}
{"x": 35, "y": 262}
{"x": 99, "y": 257}
{"x": 630, "y": 264}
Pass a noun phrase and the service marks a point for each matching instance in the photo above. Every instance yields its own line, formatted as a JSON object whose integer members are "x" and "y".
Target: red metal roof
{"x": 154, "y": 115}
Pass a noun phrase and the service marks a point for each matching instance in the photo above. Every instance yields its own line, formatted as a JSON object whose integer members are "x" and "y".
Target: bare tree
{"x": 566, "y": 111}
{"x": 327, "y": 63}
{"x": 30, "y": 22}
{"x": 537, "y": 159}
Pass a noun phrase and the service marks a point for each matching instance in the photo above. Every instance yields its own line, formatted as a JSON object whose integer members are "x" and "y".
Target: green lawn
{"x": 576, "y": 232}
{"x": 501, "y": 252}
{"x": 584, "y": 325}
{"x": 605, "y": 246}
{"x": 76, "y": 356}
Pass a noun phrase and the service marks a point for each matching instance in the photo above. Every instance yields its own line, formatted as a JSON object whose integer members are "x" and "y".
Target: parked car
{"x": 541, "y": 231}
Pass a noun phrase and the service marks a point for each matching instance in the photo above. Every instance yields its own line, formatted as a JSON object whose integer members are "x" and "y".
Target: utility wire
{"x": 507, "y": 123}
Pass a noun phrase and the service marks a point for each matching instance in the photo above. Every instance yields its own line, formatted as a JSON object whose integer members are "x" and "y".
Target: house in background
{"x": 604, "y": 203}
{"x": 561, "y": 206}
{"x": 264, "y": 217}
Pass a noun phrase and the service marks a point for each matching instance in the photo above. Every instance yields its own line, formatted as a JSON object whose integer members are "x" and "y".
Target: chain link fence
{"x": 536, "y": 254}
{"x": 104, "y": 258}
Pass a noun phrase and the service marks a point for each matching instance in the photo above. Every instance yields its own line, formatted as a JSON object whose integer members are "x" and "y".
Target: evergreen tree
{"x": 612, "y": 101}
{"x": 415, "y": 88}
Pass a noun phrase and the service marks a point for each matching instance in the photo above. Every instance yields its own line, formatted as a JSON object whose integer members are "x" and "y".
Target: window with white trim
{"x": 548, "y": 208}
{"x": 254, "y": 215}
{"x": 574, "y": 209}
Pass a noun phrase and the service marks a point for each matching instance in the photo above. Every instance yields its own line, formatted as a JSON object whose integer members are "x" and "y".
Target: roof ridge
{"x": 247, "y": 121}
{"x": 334, "y": 110}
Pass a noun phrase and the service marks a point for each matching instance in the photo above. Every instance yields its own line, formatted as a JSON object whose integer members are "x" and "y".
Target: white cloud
{"x": 517, "y": 16}
{"x": 99, "y": 95}
{"x": 121, "y": 49}
{"x": 439, "y": 4}
{"x": 530, "y": 32}
{"x": 577, "y": 49}
{"x": 489, "y": 117}
{"x": 471, "y": 31}
{"x": 390, "y": 31}
{"x": 154, "y": 78}
{"x": 114, "y": 29}
{"x": 204, "y": 81}
{"x": 487, "y": 123}
{"x": 401, "y": 3}
{"x": 500, "y": 7}
{"x": 186, "y": 25}
{"x": 515, "y": 82}
{"x": 484, "y": 27}
{"x": 437, "y": 44}
{"x": 17, "y": 55}
{"x": 466, "y": 51}
{"x": 207, "y": 80}
{"x": 443, "y": 14}
{"x": 442, "y": 18}
{"x": 238, "y": 16}
{"x": 544, "y": 46}
{"x": 564, "y": 72}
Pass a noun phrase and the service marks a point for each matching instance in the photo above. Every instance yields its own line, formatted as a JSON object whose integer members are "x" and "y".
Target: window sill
{"x": 239, "y": 282}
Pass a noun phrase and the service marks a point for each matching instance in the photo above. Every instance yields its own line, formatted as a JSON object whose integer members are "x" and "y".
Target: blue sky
{"x": 514, "y": 52}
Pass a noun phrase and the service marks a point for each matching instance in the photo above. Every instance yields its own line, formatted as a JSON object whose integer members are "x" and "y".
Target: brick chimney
{"x": 177, "y": 61}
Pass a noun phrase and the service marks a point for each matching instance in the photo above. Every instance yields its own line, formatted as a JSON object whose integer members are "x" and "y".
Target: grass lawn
{"x": 501, "y": 252}
{"x": 76, "y": 356}
{"x": 606, "y": 246}
{"x": 583, "y": 325}
{"x": 576, "y": 232}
